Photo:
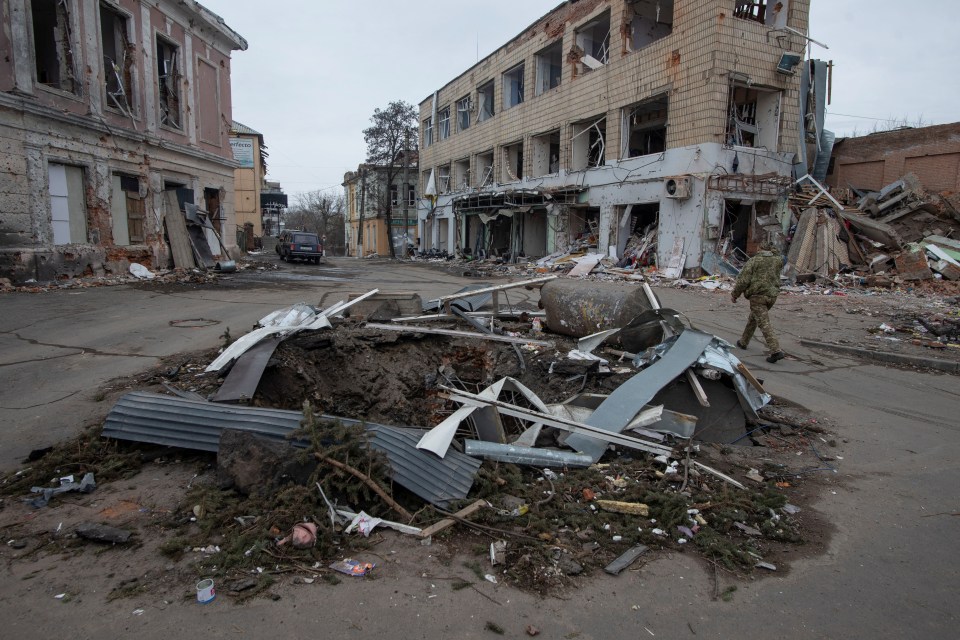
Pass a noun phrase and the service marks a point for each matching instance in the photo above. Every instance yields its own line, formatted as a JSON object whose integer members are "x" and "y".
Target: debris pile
{"x": 898, "y": 235}
{"x": 575, "y": 453}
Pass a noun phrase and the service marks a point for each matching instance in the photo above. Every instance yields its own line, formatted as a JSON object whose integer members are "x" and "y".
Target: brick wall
{"x": 873, "y": 161}
{"x": 693, "y": 65}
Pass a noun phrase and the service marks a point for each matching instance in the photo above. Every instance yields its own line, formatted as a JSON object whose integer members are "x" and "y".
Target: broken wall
{"x": 42, "y": 126}
{"x": 694, "y": 66}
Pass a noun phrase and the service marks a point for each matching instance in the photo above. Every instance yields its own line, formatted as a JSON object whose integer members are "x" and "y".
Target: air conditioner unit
{"x": 678, "y": 188}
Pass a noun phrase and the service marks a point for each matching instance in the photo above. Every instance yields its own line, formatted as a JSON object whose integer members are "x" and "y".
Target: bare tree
{"x": 391, "y": 129}
{"x": 891, "y": 124}
{"x": 321, "y": 213}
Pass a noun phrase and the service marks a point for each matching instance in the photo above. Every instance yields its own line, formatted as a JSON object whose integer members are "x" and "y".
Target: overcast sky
{"x": 315, "y": 71}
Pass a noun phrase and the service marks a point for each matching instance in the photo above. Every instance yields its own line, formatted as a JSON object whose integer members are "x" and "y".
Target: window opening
{"x": 549, "y": 67}
{"x": 485, "y": 108}
{"x": 513, "y": 87}
{"x": 168, "y": 69}
{"x": 589, "y": 144}
{"x": 461, "y": 177}
{"x": 464, "y": 106}
{"x": 594, "y": 39}
{"x": 485, "y": 169}
{"x": 645, "y": 128}
{"x": 52, "y": 48}
{"x": 118, "y": 60}
{"x": 546, "y": 154}
{"x": 753, "y": 118}
{"x": 443, "y": 123}
{"x": 395, "y": 196}
{"x": 428, "y": 132}
{"x": 774, "y": 14}
{"x": 513, "y": 162}
{"x": 443, "y": 179}
{"x": 651, "y": 20}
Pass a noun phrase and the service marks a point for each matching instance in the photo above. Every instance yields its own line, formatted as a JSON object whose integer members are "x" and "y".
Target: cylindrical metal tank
{"x": 580, "y": 307}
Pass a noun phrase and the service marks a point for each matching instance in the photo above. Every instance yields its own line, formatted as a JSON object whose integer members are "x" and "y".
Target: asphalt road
{"x": 890, "y": 570}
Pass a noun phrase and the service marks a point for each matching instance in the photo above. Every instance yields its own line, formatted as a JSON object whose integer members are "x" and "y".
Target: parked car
{"x": 300, "y": 245}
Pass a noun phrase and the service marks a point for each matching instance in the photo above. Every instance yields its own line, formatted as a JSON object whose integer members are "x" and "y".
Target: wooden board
{"x": 177, "y": 233}
{"x": 449, "y": 522}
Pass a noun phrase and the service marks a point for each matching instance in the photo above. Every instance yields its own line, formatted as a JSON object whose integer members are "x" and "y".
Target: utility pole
{"x": 363, "y": 195}
{"x": 406, "y": 188}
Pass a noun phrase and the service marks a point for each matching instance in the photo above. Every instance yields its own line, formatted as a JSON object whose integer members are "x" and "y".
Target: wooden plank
{"x": 750, "y": 377}
{"x": 457, "y": 334}
{"x": 697, "y": 388}
{"x": 177, "y": 233}
{"x": 586, "y": 265}
{"x": 446, "y": 523}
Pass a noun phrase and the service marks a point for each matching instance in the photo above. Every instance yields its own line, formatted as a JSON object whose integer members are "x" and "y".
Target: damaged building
{"x": 381, "y": 207}
{"x": 608, "y": 119}
{"x": 105, "y": 108}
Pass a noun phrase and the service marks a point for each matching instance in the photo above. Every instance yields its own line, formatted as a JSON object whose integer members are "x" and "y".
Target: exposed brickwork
{"x": 873, "y": 161}
{"x": 693, "y": 65}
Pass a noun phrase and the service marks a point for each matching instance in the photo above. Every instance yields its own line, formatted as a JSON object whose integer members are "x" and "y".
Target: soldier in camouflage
{"x": 759, "y": 282}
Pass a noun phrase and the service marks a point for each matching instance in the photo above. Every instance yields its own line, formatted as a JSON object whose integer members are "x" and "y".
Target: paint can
{"x": 205, "y": 591}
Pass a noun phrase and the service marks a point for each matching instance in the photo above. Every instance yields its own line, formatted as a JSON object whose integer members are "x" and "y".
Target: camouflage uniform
{"x": 759, "y": 282}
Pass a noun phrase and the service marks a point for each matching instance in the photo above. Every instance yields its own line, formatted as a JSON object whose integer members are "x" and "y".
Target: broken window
{"x": 68, "y": 204}
{"x": 461, "y": 174}
{"x": 427, "y": 132}
{"x": 464, "y": 106}
{"x": 594, "y": 39}
{"x": 168, "y": 80}
{"x": 546, "y": 154}
{"x": 395, "y": 196}
{"x": 117, "y": 59}
{"x": 485, "y": 108}
{"x": 513, "y": 87}
{"x": 549, "y": 67}
{"x": 767, "y": 12}
{"x": 650, "y": 20}
{"x": 485, "y": 169}
{"x": 52, "y": 46}
{"x": 513, "y": 162}
{"x": 753, "y": 118}
{"x": 645, "y": 128}
{"x": 443, "y": 123}
{"x": 443, "y": 179}
{"x": 588, "y": 144}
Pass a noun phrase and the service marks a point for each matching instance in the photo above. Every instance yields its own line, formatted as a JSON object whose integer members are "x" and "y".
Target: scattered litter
{"x": 352, "y": 567}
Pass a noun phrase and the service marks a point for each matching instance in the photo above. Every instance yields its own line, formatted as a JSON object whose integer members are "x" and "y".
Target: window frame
{"x": 464, "y": 109}
{"x": 541, "y": 57}
{"x": 515, "y": 76}
{"x": 125, "y": 74}
{"x": 443, "y": 123}
{"x": 179, "y": 126}
{"x": 481, "y": 104}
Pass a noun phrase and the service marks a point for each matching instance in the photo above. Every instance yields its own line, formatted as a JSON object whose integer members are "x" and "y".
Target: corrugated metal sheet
{"x": 190, "y": 424}
{"x": 239, "y": 127}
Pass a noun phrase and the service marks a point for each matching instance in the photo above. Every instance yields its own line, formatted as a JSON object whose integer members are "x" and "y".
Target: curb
{"x": 886, "y": 356}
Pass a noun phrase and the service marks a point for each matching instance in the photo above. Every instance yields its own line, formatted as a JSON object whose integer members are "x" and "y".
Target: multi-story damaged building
{"x": 381, "y": 207}
{"x": 608, "y": 117}
{"x": 105, "y": 106}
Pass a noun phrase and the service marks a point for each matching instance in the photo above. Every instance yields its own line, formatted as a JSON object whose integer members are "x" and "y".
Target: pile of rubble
{"x": 898, "y": 235}
{"x": 459, "y": 416}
